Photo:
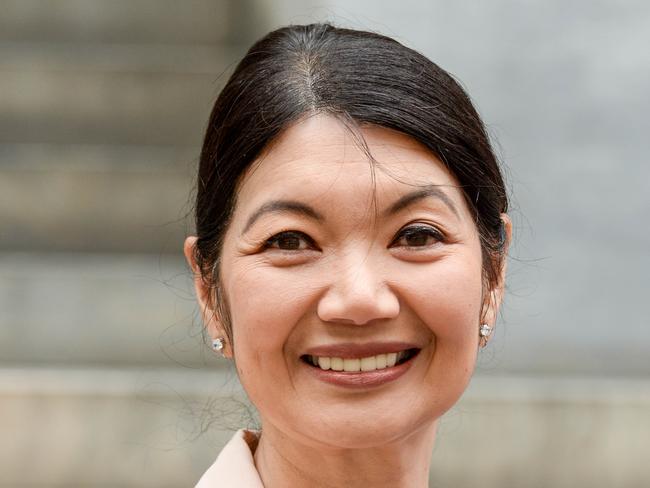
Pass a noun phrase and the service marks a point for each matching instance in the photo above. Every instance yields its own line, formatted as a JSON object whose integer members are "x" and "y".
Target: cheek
{"x": 447, "y": 298}
{"x": 265, "y": 304}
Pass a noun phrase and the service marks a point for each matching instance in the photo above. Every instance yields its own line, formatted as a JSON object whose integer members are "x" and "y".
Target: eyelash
{"x": 269, "y": 243}
{"x": 409, "y": 231}
{"x": 419, "y": 230}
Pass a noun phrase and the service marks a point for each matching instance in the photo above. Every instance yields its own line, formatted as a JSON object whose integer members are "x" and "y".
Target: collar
{"x": 234, "y": 467}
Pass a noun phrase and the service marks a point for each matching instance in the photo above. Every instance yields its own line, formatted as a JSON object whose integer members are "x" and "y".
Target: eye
{"x": 418, "y": 236}
{"x": 290, "y": 240}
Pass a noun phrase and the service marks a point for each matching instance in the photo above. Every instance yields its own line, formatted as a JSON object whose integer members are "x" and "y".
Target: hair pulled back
{"x": 358, "y": 76}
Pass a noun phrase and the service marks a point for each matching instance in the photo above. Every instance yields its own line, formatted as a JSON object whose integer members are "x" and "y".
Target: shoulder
{"x": 234, "y": 467}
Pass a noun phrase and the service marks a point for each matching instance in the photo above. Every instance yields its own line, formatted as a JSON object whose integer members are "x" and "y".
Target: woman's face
{"x": 329, "y": 262}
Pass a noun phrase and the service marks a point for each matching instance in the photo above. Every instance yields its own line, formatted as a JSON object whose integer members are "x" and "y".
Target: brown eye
{"x": 289, "y": 241}
{"x": 418, "y": 236}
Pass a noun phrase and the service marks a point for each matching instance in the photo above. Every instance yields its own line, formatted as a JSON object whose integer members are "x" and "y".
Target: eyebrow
{"x": 278, "y": 206}
{"x": 298, "y": 208}
{"x": 414, "y": 197}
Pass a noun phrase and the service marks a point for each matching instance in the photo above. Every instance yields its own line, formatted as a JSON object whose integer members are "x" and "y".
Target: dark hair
{"x": 362, "y": 78}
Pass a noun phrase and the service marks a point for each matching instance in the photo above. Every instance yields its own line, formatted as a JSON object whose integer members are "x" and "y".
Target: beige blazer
{"x": 234, "y": 467}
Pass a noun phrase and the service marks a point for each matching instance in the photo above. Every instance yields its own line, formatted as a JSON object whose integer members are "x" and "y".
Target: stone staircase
{"x": 102, "y": 109}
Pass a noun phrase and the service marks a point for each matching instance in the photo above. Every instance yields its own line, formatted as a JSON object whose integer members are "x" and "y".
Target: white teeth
{"x": 371, "y": 363}
{"x": 381, "y": 361}
{"x": 336, "y": 364}
{"x": 391, "y": 359}
{"x": 352, "y": 365}
{"x": 324, "y": 363}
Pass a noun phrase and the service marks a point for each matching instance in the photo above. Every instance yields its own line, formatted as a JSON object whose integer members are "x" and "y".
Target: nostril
{"x": 344, "y": 321}
{"x": 358, "y": 306}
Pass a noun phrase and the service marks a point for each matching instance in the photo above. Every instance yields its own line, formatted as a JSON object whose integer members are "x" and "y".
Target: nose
{"x": 358, "y": 294}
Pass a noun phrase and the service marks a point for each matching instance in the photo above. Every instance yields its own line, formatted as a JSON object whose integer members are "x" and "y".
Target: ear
{"x": 496, "y": 293}
{"x": 204, "y": 295}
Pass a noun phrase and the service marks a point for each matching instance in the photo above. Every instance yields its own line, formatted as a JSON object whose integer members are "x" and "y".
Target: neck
{"x": 284, "y": 462}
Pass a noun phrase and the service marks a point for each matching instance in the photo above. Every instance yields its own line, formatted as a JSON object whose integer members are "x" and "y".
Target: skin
{"x": 350, "y": 276}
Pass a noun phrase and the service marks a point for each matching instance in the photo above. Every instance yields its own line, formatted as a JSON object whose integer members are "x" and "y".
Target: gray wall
{"x": 103, "y": 375}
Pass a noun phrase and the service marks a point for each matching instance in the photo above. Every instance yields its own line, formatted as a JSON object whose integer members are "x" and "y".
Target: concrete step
{"x": 110, "y": 427}
{"x": 169, "y": 21}
{"x": 95, "y": 198}
{"x": 72, "y": 309}
{"x": 164, "y": 427}
{"x": 35, "y": 57}
{"x": 109, "y": 95}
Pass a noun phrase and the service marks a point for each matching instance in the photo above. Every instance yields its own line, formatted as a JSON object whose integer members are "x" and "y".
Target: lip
{"x": 349, "y": 350}
{"x": 361, "y": 379}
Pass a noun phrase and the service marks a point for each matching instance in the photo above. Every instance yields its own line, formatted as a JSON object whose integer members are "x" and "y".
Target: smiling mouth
{"x": 359, "y": 365}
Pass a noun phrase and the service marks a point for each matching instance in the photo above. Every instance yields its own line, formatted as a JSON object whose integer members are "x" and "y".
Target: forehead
{"x": 320, "y": 160}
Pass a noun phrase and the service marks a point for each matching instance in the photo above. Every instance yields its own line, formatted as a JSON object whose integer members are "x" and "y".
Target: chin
{"x": 364, "y": 428}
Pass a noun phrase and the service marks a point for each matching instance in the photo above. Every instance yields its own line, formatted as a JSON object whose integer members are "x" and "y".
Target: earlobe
{"x": 211, "y": 321}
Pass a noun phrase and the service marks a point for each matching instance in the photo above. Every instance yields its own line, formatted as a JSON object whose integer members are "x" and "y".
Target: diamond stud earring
{"x": 217, "y": 345}
{"x": 484, "y": 332}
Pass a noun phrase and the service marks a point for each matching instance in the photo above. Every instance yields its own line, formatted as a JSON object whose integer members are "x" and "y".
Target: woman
{"x": 349, "y": 256}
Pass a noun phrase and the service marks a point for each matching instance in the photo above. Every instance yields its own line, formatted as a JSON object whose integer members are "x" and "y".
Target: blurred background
{"x": 104, "y": 376}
